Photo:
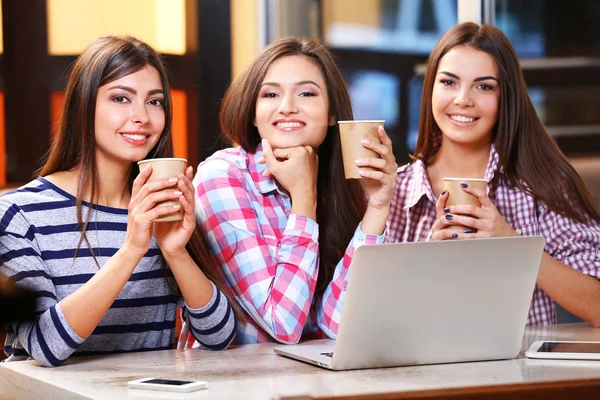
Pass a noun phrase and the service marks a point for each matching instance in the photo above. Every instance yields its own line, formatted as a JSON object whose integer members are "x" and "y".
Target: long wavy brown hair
{"x": 530, "y": 158}
{"x": 106, "y": 60}
{"x": 340, "y": 202}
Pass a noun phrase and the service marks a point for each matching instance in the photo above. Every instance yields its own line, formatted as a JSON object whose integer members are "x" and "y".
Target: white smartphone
{"x": 169, "y": 385}
{"x": 564, "y": 349}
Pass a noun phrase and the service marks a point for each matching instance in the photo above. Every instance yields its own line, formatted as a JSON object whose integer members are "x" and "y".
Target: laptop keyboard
{"x": 330, "y": 354}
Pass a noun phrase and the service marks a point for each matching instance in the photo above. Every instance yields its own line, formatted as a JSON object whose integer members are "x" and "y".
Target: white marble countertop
{"x": 255, "y": 372}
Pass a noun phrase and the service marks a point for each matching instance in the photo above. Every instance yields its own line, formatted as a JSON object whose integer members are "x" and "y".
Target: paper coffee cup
{"x": 164, "y": 168}
{"x": 457, "y": 196}
{"x": 351, "y": 133}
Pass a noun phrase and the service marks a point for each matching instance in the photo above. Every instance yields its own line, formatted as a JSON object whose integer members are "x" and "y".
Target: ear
{"x": 332, "y": 120}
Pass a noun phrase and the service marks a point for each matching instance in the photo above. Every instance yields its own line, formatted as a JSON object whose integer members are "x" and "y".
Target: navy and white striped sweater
{"x": 38, "y": 241}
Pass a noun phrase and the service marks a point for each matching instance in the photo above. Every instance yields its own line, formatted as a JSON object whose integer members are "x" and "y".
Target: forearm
{"x": 196, "y": 288}
{"x": 84, "y": 308}
{"x": 575, "y": 291}
{"x": 374, "y": 220}
{"x": 305, "y": 205}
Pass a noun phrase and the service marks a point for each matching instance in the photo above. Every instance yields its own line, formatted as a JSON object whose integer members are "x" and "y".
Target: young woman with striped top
{"x": 81, "y": 235}
{"x": 477, "y": 121}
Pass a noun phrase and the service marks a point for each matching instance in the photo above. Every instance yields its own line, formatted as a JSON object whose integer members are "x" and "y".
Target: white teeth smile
{"x": 461, "y": 118}
{"x": 134, "y": 137}
{"x": 289, "y": 125}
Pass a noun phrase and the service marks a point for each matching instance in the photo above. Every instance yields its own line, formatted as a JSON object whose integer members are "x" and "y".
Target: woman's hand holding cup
{"x": 144, "y": 208}
{"x": 368, "y": 156}
{"x": 470, "y": 215}
{"x": 172, "y": 237}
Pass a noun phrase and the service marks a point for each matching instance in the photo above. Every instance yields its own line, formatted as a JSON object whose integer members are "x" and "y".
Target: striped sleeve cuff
{"x": 52, "y": 339}
{"x": 68, "y": 335}
{"x": 213, "y": 325}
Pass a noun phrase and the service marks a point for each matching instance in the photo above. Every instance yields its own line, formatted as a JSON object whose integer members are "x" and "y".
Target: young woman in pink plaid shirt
{"x": 280, "y": 218}
{"x": 477, "y": 121}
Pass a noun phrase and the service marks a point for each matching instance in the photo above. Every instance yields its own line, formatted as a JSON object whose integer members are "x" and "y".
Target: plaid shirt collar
{"x": 421, "y": 186}
{"x": 264, "y": 184}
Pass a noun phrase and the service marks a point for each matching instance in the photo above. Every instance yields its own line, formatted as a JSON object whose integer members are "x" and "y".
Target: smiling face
{"x": 466, "y": 96}
{"x": 130, "y": 117}
{"x": 292, "y": 108}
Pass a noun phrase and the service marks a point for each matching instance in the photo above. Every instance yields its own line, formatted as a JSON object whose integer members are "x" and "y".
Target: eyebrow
{"x": 299, "y": 83}
{"x": 133, "y": 91}
{"x": 481, "y": 78}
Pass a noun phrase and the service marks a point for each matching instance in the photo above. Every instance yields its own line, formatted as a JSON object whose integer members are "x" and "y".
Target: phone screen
{"x": 167, "y": 382}
{"x": 569, "y": 347}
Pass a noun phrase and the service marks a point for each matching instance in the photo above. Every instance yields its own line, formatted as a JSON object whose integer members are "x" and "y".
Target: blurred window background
{"x": 559, "y": 47}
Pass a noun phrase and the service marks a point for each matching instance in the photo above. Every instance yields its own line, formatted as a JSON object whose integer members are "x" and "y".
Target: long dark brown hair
{"x": 340, "y": 202}
{"x": 531, "y": 160}
{"x": 106, "y": 60}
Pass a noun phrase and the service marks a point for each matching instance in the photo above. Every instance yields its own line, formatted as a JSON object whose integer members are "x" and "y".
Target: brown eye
{"x": 156, "y": 102}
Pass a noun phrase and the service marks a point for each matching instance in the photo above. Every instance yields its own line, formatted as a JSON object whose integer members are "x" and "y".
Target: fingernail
{"x": 447, "y": 209}
{"x": 464, "y": 185}
{"x": 173, "y": 180}
{"x": 443, "y": 193}
{"x": 454, "y": 235}
{"x": 177, "y": 192}
{"x": 364, "y": 141}
{"x": 358, "y": 161}
{"x": 448, "y": 217}
{"x": 177, "y": 207}
{"x": 468, "y": 231}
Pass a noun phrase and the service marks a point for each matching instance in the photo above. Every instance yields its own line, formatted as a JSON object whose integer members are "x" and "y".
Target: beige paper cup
{"x": 351, "y": 133}
{"x": 457, "y": 196}
{"x": 163, "y": 168}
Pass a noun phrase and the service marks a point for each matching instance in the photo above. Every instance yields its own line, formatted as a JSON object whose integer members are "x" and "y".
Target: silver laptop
{"x": 431, "y": 302}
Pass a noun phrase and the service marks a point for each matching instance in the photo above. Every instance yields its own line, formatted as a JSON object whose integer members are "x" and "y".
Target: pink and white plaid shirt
{"x": 268, "y": 256}
{"x": 574, "y": 244}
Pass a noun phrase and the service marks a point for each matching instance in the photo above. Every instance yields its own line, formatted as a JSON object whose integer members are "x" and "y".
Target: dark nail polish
{"x": 448, "y": 217}
{"x": 468, "y": 231}
{"x": 447, "y": 209}
{"x": 443, "y": 193}
{"x": 464, "y": 185}
{"x": 454, "y": 235}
